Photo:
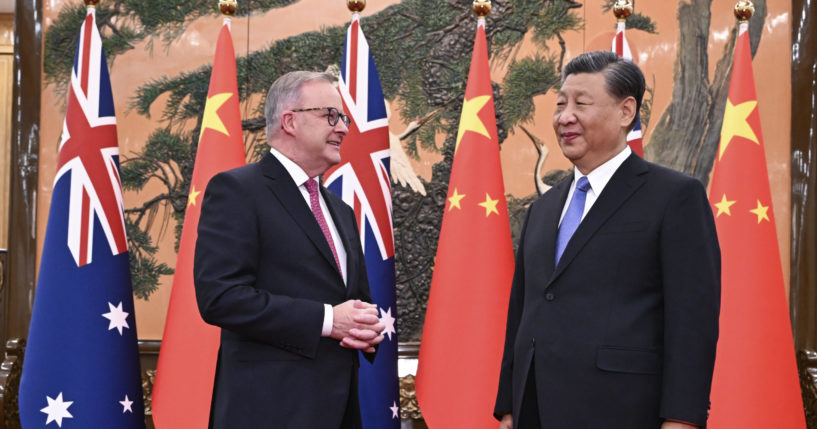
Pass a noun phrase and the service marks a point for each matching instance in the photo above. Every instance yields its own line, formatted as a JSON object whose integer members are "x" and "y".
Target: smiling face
{"x": 591, "y": 125}
{"x": 316, "y": 144}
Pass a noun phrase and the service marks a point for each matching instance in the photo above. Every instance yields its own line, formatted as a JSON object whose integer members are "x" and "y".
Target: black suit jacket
{"x": 263, "y": 272}
{"x": 623, "y": 331}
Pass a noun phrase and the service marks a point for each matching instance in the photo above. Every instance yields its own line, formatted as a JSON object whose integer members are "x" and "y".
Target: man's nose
{"x": 341, "y": 127}
{"x": 566, "y": 116}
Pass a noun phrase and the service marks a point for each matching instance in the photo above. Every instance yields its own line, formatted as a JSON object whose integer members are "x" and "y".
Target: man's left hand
{"x": 369, "y": 332}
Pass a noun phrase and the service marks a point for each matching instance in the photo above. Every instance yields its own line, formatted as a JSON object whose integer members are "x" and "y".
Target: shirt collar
{"x": 297, "y": 173}
{"x": 602, "y": 174}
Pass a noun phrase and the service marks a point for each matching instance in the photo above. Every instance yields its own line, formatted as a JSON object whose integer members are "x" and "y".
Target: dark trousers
{"x": 351, "y": 417}
{"x": 529, "y": 411}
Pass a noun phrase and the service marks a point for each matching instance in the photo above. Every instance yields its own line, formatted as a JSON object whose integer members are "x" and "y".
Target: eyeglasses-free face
{"x": 332, "y": 115}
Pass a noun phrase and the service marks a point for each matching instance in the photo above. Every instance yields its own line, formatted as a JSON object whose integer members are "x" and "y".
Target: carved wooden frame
{"x": 17, "y": 292}
{"x": 803, "y": 295}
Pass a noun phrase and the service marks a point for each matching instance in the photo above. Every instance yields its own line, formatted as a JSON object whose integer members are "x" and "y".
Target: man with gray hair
{"x": 279, "y": 267}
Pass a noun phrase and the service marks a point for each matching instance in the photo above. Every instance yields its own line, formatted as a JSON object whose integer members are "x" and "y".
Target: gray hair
{"x": 285, "y": 92}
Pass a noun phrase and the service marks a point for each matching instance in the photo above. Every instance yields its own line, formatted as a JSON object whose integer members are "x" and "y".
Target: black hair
{"x": 621, "y": 76}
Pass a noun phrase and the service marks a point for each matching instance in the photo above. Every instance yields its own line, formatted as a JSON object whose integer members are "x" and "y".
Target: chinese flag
{"x": 464, "y": 330}
{"x": 755, "y": 383}
{"x": 187, "y": 360}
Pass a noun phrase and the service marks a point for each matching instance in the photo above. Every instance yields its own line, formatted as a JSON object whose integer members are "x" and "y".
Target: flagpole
{"x": 356, "y": 6}
{"x": 228, "y": 9}
{"x": 744, "y": 10}
{"x": 482, "y": 8}
{"x": 622, "y": 10}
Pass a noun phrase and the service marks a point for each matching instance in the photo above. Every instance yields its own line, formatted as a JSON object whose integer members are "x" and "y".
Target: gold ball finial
{"x": 482, "y": 8}
{"x": 91, "y": 3}
{"x": 623, "y": 9}
{"x": 356, "y": 6}
{"x": 744, "y": 10}
{"x": 228, "y": 7}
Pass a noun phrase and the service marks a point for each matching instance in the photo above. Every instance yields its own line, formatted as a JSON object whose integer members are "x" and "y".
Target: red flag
{"x": 464, "y": 330}
{"x": 187, "y": 361}
{"x": 756, "y": 383}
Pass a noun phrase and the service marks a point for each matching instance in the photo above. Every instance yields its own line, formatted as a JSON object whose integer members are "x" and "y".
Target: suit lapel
{"x": 292, "y": 201}
{"x": 346, "y": 231}
{"x": 550, "y": 222}
{"x": 625, "y": 181}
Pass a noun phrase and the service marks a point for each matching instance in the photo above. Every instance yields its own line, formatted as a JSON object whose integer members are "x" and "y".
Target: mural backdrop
{"x": 160, "y": 52}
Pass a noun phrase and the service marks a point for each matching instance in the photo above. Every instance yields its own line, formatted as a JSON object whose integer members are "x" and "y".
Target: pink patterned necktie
{"x": 315, "y": 202}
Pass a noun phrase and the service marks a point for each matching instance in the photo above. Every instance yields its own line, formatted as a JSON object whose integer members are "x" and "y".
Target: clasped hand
{"x": 356, "y": 325}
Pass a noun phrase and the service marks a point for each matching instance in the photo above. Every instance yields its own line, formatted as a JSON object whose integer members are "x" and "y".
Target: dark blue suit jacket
{"x": 263, "y": 271}
{"x": 623, "y": 331}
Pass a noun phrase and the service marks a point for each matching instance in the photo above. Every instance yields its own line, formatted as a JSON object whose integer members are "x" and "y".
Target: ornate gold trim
{"x": 10, "y": 371}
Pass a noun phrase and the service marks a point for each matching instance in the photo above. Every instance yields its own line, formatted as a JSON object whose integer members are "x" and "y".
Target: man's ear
{"x": 628, "y": 111}
{"x": 288, "y": 123}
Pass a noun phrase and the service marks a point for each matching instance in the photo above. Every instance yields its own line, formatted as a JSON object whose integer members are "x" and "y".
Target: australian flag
{"x": 362, "y": 180}
{"x": 622, "y": 49}
{"x": 81, "y": 367}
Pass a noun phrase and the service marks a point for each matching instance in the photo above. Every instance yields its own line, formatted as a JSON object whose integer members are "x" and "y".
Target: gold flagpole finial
{"x": 227, "y": 7}
{"x": 622, "y": 10}
{"x": 744, "y": 10}
{"x": 91, "y": 3}
{"x": 356, "y": 6}
{"x": 482, "y": 8}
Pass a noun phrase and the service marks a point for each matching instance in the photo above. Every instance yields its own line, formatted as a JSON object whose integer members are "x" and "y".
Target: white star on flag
{"x": 117, "y": 317}
{"x": 388, "y": 321}
{"x": 394, "y": 408}
{"x": 57, "y": 410}
{"x": 126, "y": 405}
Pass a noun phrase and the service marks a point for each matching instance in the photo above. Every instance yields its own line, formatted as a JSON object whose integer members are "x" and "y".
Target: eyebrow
{"x": 578, "y": 92}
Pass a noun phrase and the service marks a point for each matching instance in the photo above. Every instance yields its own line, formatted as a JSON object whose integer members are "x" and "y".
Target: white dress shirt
{"x": 300, "y": 177}
{"x": 598, "y": 179}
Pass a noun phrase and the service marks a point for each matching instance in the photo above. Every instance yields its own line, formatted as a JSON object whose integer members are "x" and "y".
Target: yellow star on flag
{"x": 735, "y": 124}
{"x": 724, "y": 205}
{"x": 211, "y": 119}
{"x": 454, "y": 200}
{"x": 194, "y": 194}
{"x": 469, "y": 121}
{"x": 490, "y": 205}
{"x": 761, "y": 211}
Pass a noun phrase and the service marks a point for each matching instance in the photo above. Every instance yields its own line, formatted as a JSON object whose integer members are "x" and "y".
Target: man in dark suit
{"x": 279, "y": 267}
{"x": 613, "y": 314}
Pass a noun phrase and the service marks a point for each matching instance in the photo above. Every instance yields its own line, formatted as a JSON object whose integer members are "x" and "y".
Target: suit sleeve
{"x": 225, "y": 269}
{"x": 504, "y": 397}
{"x": 691, "y": 278}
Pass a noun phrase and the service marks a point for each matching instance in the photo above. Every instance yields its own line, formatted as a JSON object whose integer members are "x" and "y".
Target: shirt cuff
{"x": 328, "y": 315}
{"x": 681, "y": 421}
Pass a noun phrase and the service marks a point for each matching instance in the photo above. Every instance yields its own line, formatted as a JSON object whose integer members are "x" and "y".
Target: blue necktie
{"x": 573, "y": 216}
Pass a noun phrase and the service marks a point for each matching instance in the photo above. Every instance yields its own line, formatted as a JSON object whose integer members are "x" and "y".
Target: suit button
{"x": 549, "y": 296}
{"x": 532, "y": 342}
